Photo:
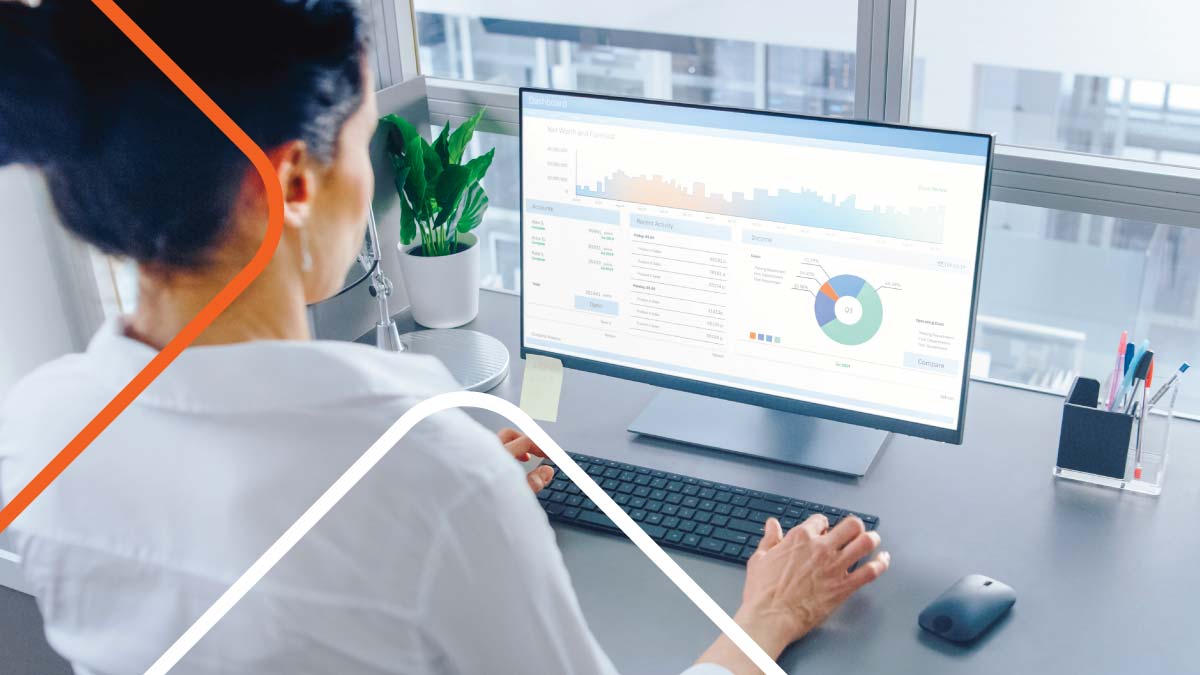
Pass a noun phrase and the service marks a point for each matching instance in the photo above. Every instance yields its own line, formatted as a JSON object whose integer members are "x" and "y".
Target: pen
{"x": 1137, "y": 458}
{"x": 1130, "y": 372}
{"x": 1117, "y": 372}
{"x": 1139, "y": 371}
{"x": 1162, "y": 391}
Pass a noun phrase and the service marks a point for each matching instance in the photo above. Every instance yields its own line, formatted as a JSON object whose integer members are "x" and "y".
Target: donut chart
{"x": 848, "y": 310}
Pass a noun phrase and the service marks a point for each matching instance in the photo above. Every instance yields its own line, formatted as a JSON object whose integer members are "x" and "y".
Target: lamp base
{"x": 477, "y": 361}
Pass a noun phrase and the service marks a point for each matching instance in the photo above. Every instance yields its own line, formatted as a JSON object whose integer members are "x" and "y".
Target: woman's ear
{"x": 297, "y": 179}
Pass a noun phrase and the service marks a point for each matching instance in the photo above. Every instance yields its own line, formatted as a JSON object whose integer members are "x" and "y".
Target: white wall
{"x": 46, "y": 307}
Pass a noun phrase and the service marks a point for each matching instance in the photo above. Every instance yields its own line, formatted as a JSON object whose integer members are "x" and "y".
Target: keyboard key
{"x": 641, "y": 491}
{"x": 707, "y": 505}
{"x": 612, "y": 473}
{"x": 627, "y": 476}
{"x": 732, "y": 549}
{"x": 558, "y": 497}
{"x": 674, "y": 498}
{"x": 704, "y": 530}
{"x": 670, "y": 522}
{"x": 670, "y": 509}
{"x": 747, "y": 526}
{"x": 658, "y": 483}
{"x": 654, "y": 518}
{"x": 610, "y": 485}
{"x": 571, "y": 513}
{"x": 554, "y": 509}
{"x": 731, "y": 535}
{"x": 723, "y": 509}
{"x": 658, "y": 495}
{"x": 703, "y": 516}
{"x": 638, "y": 515}
{"x": 621, "y": 499}
{"x": 637, "y": 502}
{"x": 690, "y": 502}
{"x": 747, "y": 551}
{"x": 674, "y": 536}
{"x": 655, "y": 531}
{"x": 574, "y": 500}
{"x": 674, "y": 486}
{"x": 691, "y": 490}
{"x": 687, "y": 525}
{"x": 558, "y": 485}
{"x": 597, "y": 519}
{"x": 642, "y": 480}
{"x": 794, "y": 512}
{"x": 741, "y": 512}
{"x": 739, "y": 500}
{"x": 775, "y": 498}
{"x": 767, "y": 507}
{"x": 653, "y": 505}
{"x": 723, "y": 497}
{"x": 707, "y": 493}
{"x": 714, "y": 545}
{"x": 720, "y": 521}
{"x": 691, "y": 540}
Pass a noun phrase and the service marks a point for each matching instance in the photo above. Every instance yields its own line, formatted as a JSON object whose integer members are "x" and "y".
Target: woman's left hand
{"x": 521, "y": 447}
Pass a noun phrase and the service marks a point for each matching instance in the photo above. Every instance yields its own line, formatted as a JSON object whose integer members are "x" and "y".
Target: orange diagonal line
{"x": 211, "y": 311}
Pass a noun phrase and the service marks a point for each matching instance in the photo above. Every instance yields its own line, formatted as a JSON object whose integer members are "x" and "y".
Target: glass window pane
{"x": 1059, "y": 287}
{"x": 801, "y": 60}
{"x": 1095, "y": 76}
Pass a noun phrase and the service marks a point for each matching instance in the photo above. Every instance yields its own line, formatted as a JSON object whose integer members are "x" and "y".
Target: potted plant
{"x": 441, "y": 201}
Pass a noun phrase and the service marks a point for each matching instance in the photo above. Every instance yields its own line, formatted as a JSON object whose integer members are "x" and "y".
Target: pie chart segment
{"x": 854, "y": 330}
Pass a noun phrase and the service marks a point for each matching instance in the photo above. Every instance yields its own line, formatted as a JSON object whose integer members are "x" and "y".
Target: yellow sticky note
{"x": 541, "y": 387}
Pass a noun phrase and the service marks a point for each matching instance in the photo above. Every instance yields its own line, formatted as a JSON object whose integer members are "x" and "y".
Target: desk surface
{"x": 1105, "y": 580}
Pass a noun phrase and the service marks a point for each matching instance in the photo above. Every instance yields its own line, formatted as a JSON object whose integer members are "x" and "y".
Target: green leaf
{"x": 479, "y": 166}
{"x": 415, "y": 186}
{"x": 462, "y": 136}
{"x": 450, "y": 188}
{"x": 474, "y": 205}
{"x": 400, "y": 133}
{"x": 441, "y": 145}
{"x": 408, "y": 222}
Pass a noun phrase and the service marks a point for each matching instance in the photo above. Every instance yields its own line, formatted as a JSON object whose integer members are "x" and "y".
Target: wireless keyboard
{"x": 712, "y": 519}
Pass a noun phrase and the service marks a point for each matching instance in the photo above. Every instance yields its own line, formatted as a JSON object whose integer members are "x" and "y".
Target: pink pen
{"x": 1117, "y": 370}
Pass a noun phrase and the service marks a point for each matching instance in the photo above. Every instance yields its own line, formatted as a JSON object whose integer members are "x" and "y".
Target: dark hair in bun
{"x": 135, "y": 168}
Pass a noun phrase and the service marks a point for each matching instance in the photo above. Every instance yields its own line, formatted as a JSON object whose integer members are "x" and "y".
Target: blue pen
{"x": 1129, "y": 348}
{"x": 1127, "y": 381}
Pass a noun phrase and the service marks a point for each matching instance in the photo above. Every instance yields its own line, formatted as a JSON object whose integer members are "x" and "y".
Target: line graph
{"x": 805, "y": 207}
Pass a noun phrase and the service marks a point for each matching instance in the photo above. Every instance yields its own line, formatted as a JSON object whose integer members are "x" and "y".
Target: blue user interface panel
{"x": 822, "y": 261}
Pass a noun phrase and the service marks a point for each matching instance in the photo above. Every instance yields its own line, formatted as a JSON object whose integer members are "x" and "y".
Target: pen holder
{"x": 1099, "y": 446}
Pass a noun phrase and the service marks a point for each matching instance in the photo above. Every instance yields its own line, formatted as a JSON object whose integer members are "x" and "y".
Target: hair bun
{"x": 38, "y": 95}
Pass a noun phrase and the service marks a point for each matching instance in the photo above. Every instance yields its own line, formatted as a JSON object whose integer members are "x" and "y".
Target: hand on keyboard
{"x": 794, "y": 582}
{"x": 521, "y": 447}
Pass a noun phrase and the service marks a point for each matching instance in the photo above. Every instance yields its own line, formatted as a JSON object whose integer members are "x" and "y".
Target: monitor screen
{"x": 819, "y": 266}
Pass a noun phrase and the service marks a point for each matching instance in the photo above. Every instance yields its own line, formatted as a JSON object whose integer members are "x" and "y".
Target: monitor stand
{"x": 745, "y": 429}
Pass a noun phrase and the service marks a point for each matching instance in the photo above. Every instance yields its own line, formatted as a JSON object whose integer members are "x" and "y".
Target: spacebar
{"x": 601, "y": 520}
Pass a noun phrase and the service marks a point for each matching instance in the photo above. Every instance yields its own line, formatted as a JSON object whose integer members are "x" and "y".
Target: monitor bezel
{"x": 736, "y": 394}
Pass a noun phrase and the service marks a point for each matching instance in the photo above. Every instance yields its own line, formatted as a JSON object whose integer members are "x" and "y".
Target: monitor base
{"x": 773, "y": 435}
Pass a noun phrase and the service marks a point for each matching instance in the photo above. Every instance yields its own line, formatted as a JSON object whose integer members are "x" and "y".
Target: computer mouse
{"x": 968, "y": 608}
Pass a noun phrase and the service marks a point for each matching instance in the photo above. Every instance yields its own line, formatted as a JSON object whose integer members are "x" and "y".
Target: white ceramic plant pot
{"x": 443, "y": 290}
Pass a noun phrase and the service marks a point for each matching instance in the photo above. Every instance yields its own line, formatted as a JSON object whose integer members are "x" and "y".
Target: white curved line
{"x": 414, "y": 415}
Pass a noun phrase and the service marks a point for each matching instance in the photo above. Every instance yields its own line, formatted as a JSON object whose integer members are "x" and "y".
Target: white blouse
{"x": 439, "y": 561}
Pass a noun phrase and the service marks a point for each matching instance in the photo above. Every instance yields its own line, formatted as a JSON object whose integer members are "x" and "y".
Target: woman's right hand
{"x": 794, "y": 582}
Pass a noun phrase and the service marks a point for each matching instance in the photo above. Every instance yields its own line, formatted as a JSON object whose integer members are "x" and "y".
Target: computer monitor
{"x": 806, "y": 281}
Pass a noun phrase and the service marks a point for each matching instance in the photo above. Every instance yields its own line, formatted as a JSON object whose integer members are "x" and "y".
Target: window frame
{"x": 1042, "y": 177}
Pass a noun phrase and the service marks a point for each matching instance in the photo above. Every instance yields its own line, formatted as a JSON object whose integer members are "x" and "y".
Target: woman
{"x": 440, "y": 561}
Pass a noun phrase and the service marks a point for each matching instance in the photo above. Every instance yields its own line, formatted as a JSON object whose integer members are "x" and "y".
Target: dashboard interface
{"x": 822, "y": 261}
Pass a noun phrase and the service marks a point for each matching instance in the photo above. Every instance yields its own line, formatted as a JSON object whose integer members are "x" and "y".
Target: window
{"x": 803, "y": 60}
{"x": 1096, "y": 188}
{"x": 1103, "y": 77}
{"x": 1054, "y": 300}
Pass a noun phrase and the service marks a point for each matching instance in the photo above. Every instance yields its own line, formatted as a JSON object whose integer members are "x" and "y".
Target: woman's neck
{"x": 271, "y": 308}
